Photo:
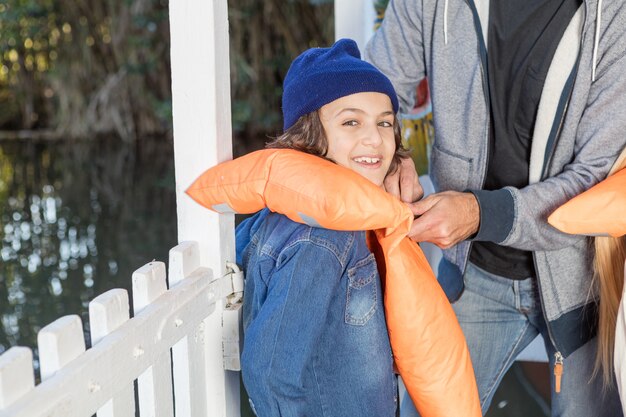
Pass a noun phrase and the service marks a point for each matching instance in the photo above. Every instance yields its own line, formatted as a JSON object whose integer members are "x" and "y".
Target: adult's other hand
{"x": 404, "y": 183}
{"x": 445, "y": 218}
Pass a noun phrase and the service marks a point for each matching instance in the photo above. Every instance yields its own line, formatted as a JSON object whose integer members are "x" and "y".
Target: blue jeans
{"x": 500, "y": 317}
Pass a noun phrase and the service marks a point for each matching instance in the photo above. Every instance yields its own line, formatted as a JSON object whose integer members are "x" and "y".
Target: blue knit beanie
{"x": 321, "y": 75}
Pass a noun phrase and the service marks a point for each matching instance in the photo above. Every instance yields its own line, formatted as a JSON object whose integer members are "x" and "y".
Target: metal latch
{"x": 231, "y": 319}
{"x": 235, "y": 298}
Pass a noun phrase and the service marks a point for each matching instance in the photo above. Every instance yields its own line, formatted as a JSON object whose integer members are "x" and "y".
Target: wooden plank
{"x": 184, "y": 260}
{"x": 17, "y": 376}
{"x": 59, "y": 343}
{"x": 155, "y": 384}
{"x": 107, "y": 313}
{"x": 202, "y": 138}
{"x": 188, "y": 355}
{"x": 89, "y": 381}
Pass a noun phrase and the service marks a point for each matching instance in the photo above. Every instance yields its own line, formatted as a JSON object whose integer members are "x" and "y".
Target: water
{"x": 76, "y": 219}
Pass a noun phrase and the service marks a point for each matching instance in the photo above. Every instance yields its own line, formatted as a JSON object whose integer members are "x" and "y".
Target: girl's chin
{"x": 377, "y": 180}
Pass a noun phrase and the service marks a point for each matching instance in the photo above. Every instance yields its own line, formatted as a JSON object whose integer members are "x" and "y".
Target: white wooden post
{"x": 107, "y": 312}
{"x": 355, "y": 19}
{"x": 59, "y": 343}
{"x": 202, "y": 138}
{"x": 155, "y": 384}
{"x": 17, "y": 377}
{"x": 188, "y": 355}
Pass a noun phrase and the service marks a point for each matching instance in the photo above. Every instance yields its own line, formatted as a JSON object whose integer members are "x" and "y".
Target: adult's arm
{"x": 600, "y": 137}
{"x": 397, "y": 49}
{"x": 518, "y": 217}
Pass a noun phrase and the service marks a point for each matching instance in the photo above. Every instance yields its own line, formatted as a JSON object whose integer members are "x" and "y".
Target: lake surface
{"x": 77, "y": 218}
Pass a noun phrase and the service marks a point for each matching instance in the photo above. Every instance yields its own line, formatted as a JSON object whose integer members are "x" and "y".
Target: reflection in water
{"x": 76, "y": 219}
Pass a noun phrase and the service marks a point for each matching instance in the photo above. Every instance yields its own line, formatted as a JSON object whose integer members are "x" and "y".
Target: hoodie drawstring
{"x": 445, "y": 22}
{"x": 596, "y": 40}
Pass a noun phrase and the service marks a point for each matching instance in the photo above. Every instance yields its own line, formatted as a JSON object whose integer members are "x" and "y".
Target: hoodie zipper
{"x": 558, "y": 371}
{"x": 482, "y": 51}
{"x": 558, "y": 357}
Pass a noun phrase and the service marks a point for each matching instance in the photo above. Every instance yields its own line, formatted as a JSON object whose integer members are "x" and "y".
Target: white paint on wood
{"x": 232, "y": 343}
{"x": 85, "y": 384}
{"x": 107, "y": 313}
{"x": 155, "y": 385}
{"x": 148, "y": 284}
{"x": 202, "y": 138}
{"x": 355, "y": 19}
{"x": 184, "y": 259}
{"x": 59, "y": 343}
{"x": 190, "y": 384}
{"x": 188, "y": 355}
{"x": 16, "y": 375}
{"x": 202, "y": 120}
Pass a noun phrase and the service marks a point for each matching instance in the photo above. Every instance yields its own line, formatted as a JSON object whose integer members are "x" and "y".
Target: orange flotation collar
{"x": 599, "y": 211}
{"x": 428, "y": 345}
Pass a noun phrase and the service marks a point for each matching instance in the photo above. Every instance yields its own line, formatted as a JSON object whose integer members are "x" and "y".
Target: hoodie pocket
{"x": 449, "y": 170}
{"x": 362, "y": 294}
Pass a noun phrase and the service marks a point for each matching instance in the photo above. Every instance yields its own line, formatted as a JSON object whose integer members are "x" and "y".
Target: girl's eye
{"x": 350, "y": 123}
{"x": 385, "y": 124}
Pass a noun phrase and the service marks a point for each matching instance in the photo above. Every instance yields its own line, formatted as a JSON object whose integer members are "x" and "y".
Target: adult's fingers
{"x": 422, "y": 206}
{"x": 392, "y": 183}
{"x": 410, "y": 188}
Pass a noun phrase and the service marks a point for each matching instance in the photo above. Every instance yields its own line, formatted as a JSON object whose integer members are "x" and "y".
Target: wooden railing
{"x": 164, "y": 347}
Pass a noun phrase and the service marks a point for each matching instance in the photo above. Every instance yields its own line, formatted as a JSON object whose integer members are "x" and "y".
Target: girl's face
{"x": 359, "y": 129}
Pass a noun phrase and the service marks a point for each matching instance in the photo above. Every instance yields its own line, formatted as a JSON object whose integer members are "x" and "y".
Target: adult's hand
{"x": 404, "y": 183}
{"x": 445, "y": 218}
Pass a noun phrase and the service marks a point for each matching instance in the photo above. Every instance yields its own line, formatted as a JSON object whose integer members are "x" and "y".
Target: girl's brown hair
{"x": 609, "y": 278}
{"x": 307, "y": 135}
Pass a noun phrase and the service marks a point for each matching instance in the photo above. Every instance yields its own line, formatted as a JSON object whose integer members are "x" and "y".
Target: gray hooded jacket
{"x": 579, "y": 132}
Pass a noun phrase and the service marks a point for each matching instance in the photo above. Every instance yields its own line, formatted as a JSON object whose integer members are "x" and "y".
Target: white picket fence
{"x": 163, "y": 347}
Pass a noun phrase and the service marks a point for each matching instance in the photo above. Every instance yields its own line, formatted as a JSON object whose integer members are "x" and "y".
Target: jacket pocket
{"x": 362, "y": 293}
{"x": 449, "y": 171}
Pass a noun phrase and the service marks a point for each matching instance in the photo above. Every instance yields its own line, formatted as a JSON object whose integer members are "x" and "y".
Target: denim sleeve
{"x": 310, "y": 278}
{"x": 244, "y": 232}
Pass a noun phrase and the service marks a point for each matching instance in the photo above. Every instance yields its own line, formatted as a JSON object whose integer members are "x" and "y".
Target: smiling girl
{"x": 316, "y": 342}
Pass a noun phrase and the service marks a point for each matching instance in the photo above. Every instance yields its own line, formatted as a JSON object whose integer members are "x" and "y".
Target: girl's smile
{"x": 360, "y": 133}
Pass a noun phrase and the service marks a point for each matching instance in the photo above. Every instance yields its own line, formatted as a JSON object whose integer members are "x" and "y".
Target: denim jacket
{"x": 315, "y": 338}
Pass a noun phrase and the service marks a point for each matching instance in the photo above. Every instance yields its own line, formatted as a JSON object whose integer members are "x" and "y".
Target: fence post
{"x": 107, "y": 312}
{"x": 59, "y": 342}
{"x": 202, "y": 138}
{"x": 355, "y": 19}
{"x": 188, "y": 355}
{"x": 16, "y": 375}
{"x": 155, "y": 384}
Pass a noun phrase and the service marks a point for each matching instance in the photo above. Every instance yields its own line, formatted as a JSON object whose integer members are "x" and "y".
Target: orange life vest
{"x": 599, "y": 211}
{"x": 429, "y": 348}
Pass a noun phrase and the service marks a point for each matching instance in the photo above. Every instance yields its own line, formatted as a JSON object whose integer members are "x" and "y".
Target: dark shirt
{"x": 523, "y": 36}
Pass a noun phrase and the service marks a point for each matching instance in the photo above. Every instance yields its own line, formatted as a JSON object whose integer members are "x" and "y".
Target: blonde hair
{"x": 608, "y": 276}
